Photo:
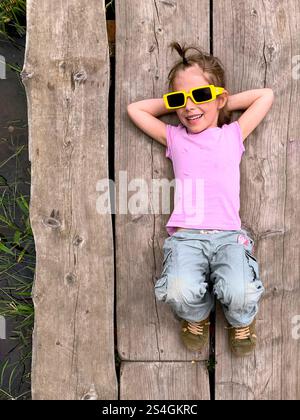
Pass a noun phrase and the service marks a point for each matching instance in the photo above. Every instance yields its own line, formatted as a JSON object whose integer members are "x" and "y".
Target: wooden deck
{"x": 66, "y": 75}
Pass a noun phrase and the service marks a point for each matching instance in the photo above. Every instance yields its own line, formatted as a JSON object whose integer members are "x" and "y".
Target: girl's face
{"x": 187, "y": 79}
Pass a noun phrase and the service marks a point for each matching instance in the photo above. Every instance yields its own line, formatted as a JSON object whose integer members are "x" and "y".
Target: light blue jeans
{"x": 193, "y": 258}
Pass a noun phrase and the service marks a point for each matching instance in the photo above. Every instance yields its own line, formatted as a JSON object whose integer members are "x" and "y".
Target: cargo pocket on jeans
{"x": 160, "y": 287}
{"x": 253, "y": 264}
{"x": 254, "y": 287}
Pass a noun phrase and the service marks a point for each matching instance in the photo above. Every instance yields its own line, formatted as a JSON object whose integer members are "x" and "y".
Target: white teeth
{"x": 194, "y": 117}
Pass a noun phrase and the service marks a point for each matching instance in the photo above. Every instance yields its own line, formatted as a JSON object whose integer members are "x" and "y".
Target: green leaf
{"x": 5, "y": 249}
{"x": 3, "y": 180}
{"x": 17, "y": 237}
{"x": 8, "y": 222}
{"x": 22, "y": 203}
{"x": 3, "y": 367}
{"x": 20, "y": 257}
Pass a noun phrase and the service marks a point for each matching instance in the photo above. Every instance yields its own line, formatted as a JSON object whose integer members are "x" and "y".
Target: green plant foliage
{"x": 17, "y": 266}
{"x": 12, "y": 18}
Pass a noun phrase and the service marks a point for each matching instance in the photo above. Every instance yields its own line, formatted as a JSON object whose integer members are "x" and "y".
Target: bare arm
{"x": 144, "y": 115}
{"x": 257, "y": 103}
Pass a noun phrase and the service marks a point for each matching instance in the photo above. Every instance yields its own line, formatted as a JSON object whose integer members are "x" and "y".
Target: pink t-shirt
{"x": 207, "y": 177}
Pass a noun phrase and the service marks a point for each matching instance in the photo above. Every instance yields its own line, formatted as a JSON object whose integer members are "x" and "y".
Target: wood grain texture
{"x": 257, "y": 40}
{"x": 164, "y": 381}
{"x": 147, "y": 329}
{"x": 66, "y": 76}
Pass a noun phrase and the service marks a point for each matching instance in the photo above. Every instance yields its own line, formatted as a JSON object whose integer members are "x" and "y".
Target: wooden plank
{"x": 147, "y": 330}
{"x": 66, "y": 75}
{"x": 263, "y": 39}
{"x": 289, "y": 313}
{"x": 164, "y": 381}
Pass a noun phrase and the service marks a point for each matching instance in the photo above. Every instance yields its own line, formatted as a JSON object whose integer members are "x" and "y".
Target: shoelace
{"x": 243, "y": 333}
{"x": 196, "y": 327}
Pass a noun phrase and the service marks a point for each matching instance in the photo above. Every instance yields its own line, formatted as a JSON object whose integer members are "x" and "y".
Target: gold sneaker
{"x": 195, "y": 334}
{"x": 242, "y": 340}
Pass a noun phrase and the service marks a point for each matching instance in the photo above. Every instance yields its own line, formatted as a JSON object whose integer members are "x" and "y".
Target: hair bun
{"x": 184, "y": 59}
{"x": 181, "y": 51}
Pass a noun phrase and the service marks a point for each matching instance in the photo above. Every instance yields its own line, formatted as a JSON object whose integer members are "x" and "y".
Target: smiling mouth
{"x": 193, "y": 118}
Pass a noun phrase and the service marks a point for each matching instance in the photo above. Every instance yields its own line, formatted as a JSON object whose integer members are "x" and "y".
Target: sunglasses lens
{"x": 176, "y": 100}
{"x": 202, "y": 94}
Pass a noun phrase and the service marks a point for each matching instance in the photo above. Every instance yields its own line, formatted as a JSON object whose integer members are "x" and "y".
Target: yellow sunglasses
{"x": 199, "y": 95}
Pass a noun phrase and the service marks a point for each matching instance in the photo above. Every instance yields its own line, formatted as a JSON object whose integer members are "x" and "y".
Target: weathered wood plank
{"x": 66, "y": 75}
{"x": 147, "y": 329}
{"x": 164, "y": 381}
{"x": 263, "y": 38}
{"x": 289, "y": 311}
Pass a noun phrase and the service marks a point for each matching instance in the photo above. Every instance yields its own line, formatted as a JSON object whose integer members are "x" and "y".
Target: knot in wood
{"x": 271, "y": 50}
{"x": 168, "y": 3}
{"x": 80, "y": 76}
{"x": 70, "y": 278}
{"x": 91, "y": 394}
{"x": 77, "y": 240}
{"x": 67, "y": 144}
{"x": 52, "y": 222}
{"x": 25, "y": 75}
